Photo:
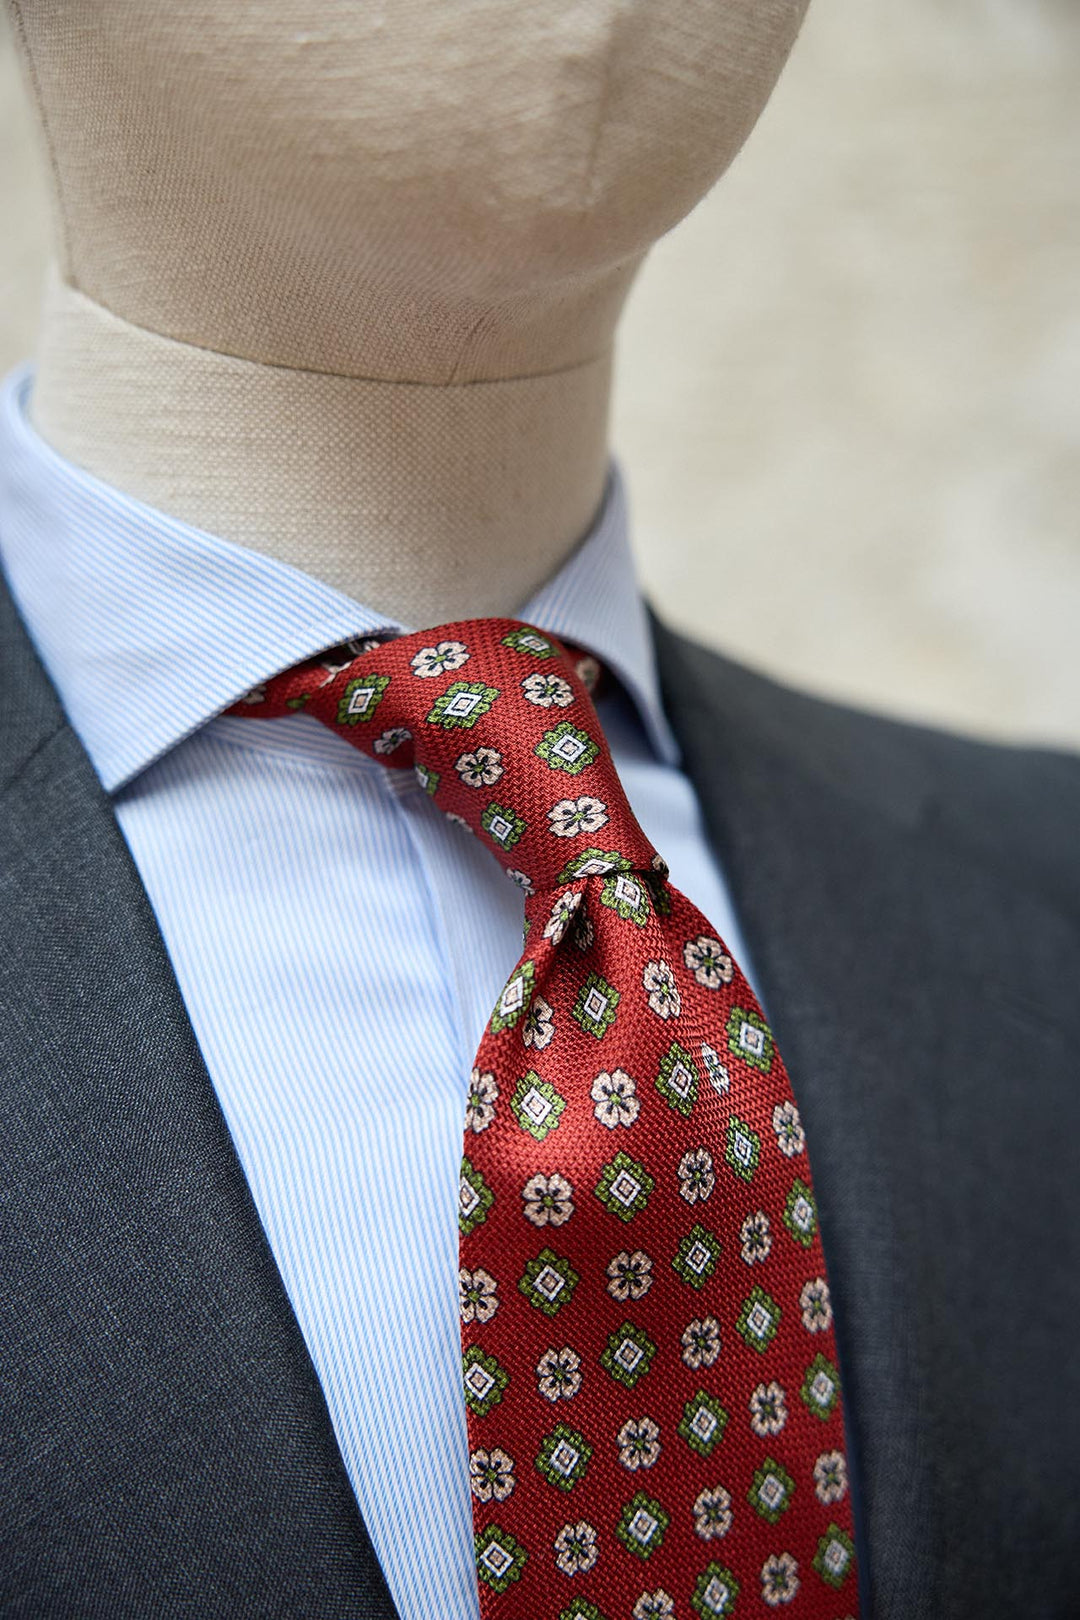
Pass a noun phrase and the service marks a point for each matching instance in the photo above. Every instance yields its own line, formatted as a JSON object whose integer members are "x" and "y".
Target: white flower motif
{"x": 522, "y": 879}
{"x": 712, "y": 1514}
{"x": 696, "y": 1178}
{"x": 629, "y": 1275}
{"x": 256, "y": 695}
{"x": 816, "y": 1306}
{"x": 768, "y": 1410}
{"x": 558, "y": 1374}
{"x": 339, "y": 658}
{"x": 790, "y": 1136}
{"x": 575, "y": 1548}
{"x": 539, "y": 1025}
{"x": 333, "y": 668}
{"x": 717, "y": 1072}
{"x": 779, "y": 1579}
{"x": 756, "y": 1237}
{"x": 659, "y": 981}
{"x": 478, "y": 1293}
{"x": 830, "y": 1477}
{"x": 459, "y": 821}
{"x": 438, "y": 660}
{"x": 481, "y": 768}
{"x": 572, "y": 816}
{"x": 547, "y": 691}
{"x": 483, "y": 1095}
{"x": 548, "y": 1200}
{"x": 615, "y": 1097}
{"x": 708, "y": 962}
{"x": 562, "y": 914}
{"x": 639, "y": 1443}
{"x": 658, "y": 1605}
{"x": 491, "y": 1474}
{"x": 392, "y": 739}
{"x": 701, "y": 1342}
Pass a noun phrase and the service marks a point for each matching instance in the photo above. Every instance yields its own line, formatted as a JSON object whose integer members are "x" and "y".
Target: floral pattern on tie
{"x": 649, "y": 1369}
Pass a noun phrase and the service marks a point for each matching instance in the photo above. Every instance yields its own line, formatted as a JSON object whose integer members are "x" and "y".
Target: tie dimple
{"x": 649, "y": 1366}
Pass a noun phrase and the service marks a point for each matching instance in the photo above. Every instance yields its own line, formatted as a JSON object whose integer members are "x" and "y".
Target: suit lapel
{"x": 171, "y": 1450}
{"x": 884, "y": 928}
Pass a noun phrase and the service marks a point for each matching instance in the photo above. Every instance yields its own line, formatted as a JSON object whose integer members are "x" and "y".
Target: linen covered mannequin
{"x": 340, "y": 283}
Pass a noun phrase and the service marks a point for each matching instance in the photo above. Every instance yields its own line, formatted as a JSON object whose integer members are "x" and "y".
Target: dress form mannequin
{"x": 340, "y": 283}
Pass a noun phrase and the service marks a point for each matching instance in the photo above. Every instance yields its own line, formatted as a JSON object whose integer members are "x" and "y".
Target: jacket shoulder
{"x": 1006, "y": 802}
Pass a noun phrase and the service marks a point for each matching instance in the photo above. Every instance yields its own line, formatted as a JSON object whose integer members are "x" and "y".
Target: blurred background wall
{"x": 848, "y": 393}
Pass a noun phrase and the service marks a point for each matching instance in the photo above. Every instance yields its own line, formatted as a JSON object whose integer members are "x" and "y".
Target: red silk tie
{"x": 654, "y": 1410}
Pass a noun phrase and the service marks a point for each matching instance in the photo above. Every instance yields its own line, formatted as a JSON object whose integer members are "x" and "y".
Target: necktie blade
{"x": 649, "y": 1367}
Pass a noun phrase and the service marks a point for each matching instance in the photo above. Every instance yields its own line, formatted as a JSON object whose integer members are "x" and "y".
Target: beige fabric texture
{"x": 336, "y": 459}
{"x": 846, "y": 388}
{"x": 384, "y": 249}
{"x": 405, "y": 191}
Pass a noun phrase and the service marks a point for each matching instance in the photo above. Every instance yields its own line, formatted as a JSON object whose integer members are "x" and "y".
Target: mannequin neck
{"x": 427, "y": 502}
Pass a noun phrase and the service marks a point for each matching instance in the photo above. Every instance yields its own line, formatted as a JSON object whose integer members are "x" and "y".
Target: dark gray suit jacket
{"x": 912, "y": 905}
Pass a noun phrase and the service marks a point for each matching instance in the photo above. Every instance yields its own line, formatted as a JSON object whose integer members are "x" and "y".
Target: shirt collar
{"x": 149, "y": 627}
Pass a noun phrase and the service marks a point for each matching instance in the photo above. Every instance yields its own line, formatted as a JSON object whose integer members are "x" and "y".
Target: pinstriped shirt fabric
{"x": 338, "y": 943}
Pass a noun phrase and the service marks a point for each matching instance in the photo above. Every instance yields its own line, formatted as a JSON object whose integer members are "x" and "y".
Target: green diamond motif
{"x": 758, "y": 1319}
{"x": 715, "y": 1593}
{"x": 514, "y": 999}
{"x": 549, "y": 1282}
{"x": 461, "y": 705}
{"x": 835, "y": 1556}
{"x": 771, "y": 1491}
{"x": 528, "y": 640}
{"x": 627, "y": 897}
{"x": 696, "y": 1257}
{"x": 703, "y": 1423}
{"x": 566, "y": 748}
{"x": 502, "y": 826}
{"x": 628, "y": 1354}
{"x": 593, "y": 863}
{"x": 564, "y": 1457}
{"x": 800, "y": 1213}
{"x": 596, "y": 1005}
{"x": 475, "y": 1198}
{"x": 361, "y": 698}
{"x": 624, "y": 1186}
{"x": 677, "y": 1079}
{"x": 742, "y": 1150}
{"x": 428, "y": 779}
{"x": 484, "y": 1380}
{"x": 821, "y": 1387}
{"x": 499, "y": 1558}
{"x": 641, "y": 1525}
{"x": 536, "y": 1105}
{"x": 581, "y": 1609}
{"x": 750, "y": 1038}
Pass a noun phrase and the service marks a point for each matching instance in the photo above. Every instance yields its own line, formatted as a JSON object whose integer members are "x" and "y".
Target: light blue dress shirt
{"x": 338, "y": 943}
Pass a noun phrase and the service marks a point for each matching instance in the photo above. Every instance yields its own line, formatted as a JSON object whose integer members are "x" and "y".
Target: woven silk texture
{"x": 649, "y": 1369}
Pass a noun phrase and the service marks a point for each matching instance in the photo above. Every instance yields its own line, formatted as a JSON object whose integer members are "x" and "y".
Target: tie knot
{"x": 496, "y": 719}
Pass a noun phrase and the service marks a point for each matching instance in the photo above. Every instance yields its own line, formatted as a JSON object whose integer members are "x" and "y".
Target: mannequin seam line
{"x": 346, "y": 376}
{"x": 482, "y": 320}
